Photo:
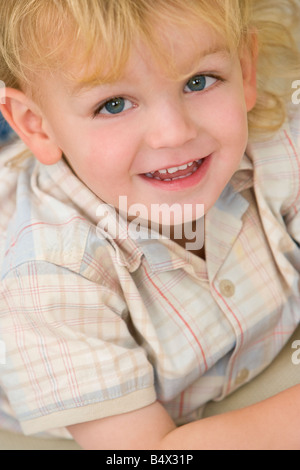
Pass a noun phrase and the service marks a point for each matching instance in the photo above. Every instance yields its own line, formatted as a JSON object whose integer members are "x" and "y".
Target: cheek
{"x": 97, "y": 153}
{"x": 105, "y": 164}
{"x": 110, "y": 148}
{"x": 231, "y": 125}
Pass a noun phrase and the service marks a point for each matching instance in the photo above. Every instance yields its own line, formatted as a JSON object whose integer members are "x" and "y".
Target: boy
{"x": 119, "y": 339}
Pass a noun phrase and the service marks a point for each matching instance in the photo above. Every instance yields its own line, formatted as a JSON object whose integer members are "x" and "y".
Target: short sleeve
{"x": 70, "y": 354}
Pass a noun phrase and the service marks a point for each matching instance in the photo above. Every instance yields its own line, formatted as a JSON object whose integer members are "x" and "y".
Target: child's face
{"x": 115, "y": 135}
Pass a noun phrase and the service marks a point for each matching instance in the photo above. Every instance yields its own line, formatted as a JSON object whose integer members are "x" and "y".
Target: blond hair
{"x": 48, "y": 35}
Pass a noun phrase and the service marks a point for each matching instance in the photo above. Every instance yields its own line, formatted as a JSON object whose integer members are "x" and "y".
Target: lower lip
{"x": 182, "y": 183}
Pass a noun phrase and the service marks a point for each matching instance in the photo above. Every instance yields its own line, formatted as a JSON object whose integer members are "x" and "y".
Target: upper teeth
{"x": 174, "y": 169}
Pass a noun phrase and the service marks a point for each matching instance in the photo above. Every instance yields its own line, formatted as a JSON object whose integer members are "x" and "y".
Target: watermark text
{"x": 137, "y": 221}
{"x": 296, "y": 354}
{"x": 296, "y": 94}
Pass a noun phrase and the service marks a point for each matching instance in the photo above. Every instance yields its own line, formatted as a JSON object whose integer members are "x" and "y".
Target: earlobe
{"x": 24, "y": 117}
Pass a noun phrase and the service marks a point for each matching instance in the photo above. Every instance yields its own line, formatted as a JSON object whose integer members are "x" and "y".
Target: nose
{"x": 170, "y": 126}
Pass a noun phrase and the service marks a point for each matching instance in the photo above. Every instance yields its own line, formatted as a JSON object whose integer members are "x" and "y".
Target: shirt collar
{"x": 77, "y": 195}
{"x": 161, "y": 256}
{"x": 243, "y": 177}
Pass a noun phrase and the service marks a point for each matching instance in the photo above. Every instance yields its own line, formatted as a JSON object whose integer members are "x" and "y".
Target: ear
{"x": 25, "y": 117}
{"x": 248, "y": 61}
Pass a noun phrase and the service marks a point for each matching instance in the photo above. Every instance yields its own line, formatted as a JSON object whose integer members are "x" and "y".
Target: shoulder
{"x": 40, "y": 227}
{"x": 276, "y": 165}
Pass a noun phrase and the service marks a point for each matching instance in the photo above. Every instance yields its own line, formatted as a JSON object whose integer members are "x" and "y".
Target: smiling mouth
{"x": 176, "y": 173}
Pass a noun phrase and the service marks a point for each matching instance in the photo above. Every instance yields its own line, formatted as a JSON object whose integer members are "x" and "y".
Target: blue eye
{"x": 200, "y": 83}
{"x": 114, "y": 106}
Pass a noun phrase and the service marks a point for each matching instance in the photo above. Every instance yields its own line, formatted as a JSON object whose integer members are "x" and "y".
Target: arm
{"x": 273, "y": 424}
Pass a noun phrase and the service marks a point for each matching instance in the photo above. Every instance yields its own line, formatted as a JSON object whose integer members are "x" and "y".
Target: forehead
{"x": 174, "y": 53}
{"x": 89, "y": 42}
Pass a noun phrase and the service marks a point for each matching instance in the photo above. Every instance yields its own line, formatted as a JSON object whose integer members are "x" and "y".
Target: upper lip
{"x": 175, "y": 165}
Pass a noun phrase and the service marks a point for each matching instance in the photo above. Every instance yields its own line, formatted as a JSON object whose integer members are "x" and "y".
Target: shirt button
{"x": 242, "y": 376}
{"x": 227, "y": 288}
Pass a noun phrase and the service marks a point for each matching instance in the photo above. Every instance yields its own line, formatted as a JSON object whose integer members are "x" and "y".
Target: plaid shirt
{"x": 95, "y": 326}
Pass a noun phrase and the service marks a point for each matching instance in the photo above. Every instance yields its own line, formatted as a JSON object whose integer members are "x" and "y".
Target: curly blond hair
{"x": 35, "y": 35}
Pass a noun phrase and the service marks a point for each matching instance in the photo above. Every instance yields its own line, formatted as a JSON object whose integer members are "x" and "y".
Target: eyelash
{"x": 219, "y": 79}
{"x": 96, "y": 113}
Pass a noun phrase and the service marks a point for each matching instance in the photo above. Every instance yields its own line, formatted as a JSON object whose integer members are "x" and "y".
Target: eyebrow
{"x": 213, "y": 51}
{"x": 84, "y": 87}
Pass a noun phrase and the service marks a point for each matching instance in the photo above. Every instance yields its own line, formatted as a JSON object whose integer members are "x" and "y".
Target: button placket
{"x": 242, "y": 377}
{"x": 227, "y": 288}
